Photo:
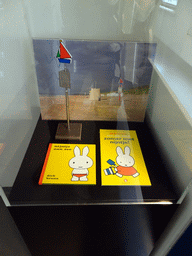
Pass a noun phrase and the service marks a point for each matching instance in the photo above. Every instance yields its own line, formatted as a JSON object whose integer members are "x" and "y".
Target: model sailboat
{"x": 69, "y": 131}
{"x": 63, "y": 54}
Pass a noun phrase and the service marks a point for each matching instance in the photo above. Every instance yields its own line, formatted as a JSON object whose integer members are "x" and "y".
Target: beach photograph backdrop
{"x": 109, "y": 80}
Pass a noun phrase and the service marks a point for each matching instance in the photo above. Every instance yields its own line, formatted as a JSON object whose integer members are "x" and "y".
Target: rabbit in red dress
{"x": 80, "y": 164}
{"x": 125, "y": 163}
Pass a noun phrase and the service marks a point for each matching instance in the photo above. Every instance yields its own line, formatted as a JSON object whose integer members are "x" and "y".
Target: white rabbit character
{"x": 80, "y": 164}
{"x": 125, "y": 163}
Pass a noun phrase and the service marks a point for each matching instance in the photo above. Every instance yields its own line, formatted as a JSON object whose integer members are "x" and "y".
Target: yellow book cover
{"x": 122, "y": 161}
{"x": 69, "y": 164}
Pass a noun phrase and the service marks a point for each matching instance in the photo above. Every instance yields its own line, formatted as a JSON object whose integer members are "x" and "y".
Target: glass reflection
{"x": 110, "y": 82}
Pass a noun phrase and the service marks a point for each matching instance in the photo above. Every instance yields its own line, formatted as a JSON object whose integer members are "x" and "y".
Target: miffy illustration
{"x": 125, "y": 163}
{"x": 80, "y": 164}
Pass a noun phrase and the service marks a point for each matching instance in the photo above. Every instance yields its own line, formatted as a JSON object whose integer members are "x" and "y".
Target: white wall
{"x": 174, "y": 29}
{"x": 19, "y": 104}
{"x": 82, "y": 19}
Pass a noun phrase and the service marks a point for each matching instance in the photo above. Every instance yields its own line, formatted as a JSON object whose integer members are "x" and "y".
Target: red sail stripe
{"x": 63, "y": 52}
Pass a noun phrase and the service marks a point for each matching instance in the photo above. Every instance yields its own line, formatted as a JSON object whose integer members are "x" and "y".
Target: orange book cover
{"x": 122, "y": 162}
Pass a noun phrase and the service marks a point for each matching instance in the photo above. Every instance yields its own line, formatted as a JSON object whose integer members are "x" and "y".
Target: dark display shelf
{"x": 26, "y": 190}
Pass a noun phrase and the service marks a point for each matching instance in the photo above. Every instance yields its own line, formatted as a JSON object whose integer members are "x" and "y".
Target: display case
{"x": 95, "y": 147}
{"x": 95, "y": 102}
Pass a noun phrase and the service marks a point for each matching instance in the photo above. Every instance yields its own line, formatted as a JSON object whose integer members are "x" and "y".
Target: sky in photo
{"x": 97, "y": 64}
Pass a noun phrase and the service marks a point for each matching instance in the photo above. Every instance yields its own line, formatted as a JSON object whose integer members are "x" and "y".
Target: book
{"x": 69, "y": 164}
{"x": 122, "y": 162}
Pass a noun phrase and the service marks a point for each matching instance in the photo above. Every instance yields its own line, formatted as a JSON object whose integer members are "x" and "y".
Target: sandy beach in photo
{"x": 129, "y": 108}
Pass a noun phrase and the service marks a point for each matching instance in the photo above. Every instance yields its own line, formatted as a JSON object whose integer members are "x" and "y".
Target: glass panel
{"x": 19, "y": 103}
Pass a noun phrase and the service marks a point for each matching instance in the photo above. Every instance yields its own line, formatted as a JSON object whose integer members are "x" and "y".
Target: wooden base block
{"x": 63, "y": 133}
